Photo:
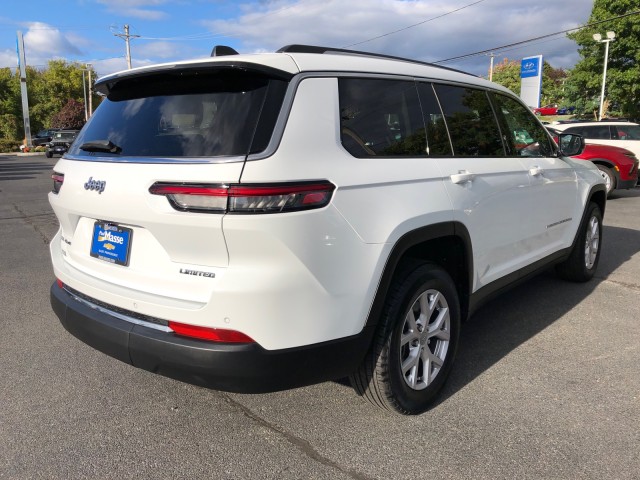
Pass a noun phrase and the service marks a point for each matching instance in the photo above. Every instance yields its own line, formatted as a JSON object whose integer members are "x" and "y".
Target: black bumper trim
{"x": 242, "y": 368}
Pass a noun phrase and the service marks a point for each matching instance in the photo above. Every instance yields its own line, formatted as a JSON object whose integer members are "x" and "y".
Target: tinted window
{"x": 185, "y": 114}
{"x": 472, "y": 124}
{"x": 627, "y": 132}
{"x": 600, "y": 132}
{"x": 438, "y": 143}
{"x": 524, "y": 136}
{"x": 381, "y": 118}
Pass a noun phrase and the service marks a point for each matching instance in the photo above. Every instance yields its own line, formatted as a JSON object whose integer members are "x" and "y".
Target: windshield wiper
{"x": 106, "y": 146}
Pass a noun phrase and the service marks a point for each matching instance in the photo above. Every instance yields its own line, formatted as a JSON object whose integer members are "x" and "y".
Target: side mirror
{"x": 570, "y": 144}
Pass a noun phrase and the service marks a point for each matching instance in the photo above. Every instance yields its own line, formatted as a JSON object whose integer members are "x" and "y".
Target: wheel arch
{"x": 446, "y": 244}
{"x": 609, "y": 164}
{"x": 598, "y": 195}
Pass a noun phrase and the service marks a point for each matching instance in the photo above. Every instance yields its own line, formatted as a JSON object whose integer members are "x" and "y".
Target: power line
{"x": 482, "y": 52}
{"x": 414, "y": 25}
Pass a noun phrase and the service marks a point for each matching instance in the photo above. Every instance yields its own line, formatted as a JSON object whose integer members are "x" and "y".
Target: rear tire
{"x": 48, "y": 154}
{"x": 583, "y": 261}
{"x": 416, "y": 342}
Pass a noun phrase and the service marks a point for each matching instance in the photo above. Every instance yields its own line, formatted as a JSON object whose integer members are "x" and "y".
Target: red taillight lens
{"x": 274, "y": 198}
{"x": 58, "y": 180}
{"x": 211, "y": 334}
{"x": 59, "y": 283}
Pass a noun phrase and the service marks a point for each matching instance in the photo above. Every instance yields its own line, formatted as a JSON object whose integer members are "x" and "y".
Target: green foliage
{"x": 623, "y": 72}
{"x": 9, "y": 145}
{"x": 9, "y": 126}
{"x": 49, "y": 91}
{"x": 507, "y": 74}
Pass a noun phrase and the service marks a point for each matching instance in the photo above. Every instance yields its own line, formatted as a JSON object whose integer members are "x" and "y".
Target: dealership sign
{"x": 531, "y": 80}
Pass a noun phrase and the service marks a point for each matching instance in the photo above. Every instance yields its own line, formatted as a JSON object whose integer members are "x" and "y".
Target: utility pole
{"x": 126, "y": 36}
{"x": 89, "y": 67}
{"x": 23, "y": 90}
{"x": 84, "y": 88}
{"x": 492, "y": 55}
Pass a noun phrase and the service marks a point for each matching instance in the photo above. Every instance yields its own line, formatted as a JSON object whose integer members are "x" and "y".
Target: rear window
{"x": 187, "y": 114}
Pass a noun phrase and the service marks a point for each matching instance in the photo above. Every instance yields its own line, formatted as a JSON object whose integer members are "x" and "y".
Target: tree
{"x": 70, "y": 116}
{"x": 10, "y": 107}
{"x": 622, "y": 87}
{"x": 49, "y": 93}
{"x": 507, "y": 74}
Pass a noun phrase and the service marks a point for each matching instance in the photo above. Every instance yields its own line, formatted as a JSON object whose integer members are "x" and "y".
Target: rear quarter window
{"x": 381, "y": 118}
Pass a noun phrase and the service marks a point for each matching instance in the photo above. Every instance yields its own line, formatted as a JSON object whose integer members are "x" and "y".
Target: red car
{"x": 547, "y": 110}
{"x": 618, "y": 166}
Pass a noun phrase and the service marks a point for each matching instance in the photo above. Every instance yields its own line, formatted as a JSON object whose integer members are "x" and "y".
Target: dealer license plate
{"x": 111, "y": 243}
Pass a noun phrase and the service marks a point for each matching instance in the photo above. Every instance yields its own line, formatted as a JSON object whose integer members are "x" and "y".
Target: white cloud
{"x": 272, "y": 25}
{"x": 136, "y": 8}
{"x": 161, "y": 50}
{"x": 44, "y": 41}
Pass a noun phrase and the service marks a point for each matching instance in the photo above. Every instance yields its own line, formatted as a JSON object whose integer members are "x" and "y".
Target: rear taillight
{"x": 210, "y": 334}
{"x": 272, "y": 198}
{"x": 58, "y": 180}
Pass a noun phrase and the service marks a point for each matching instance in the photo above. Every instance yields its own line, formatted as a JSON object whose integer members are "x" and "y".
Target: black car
{"x": 43, "y": 137}
{"x": 60, "y": 142}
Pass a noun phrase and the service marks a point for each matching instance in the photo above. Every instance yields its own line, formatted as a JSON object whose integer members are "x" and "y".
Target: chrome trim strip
{"x": 120, "y": 316}
{"x": 152, "y": 160}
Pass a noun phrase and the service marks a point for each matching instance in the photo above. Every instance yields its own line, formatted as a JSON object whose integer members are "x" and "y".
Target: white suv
{"x": 617, "y": 134}
{"x": 259, "y": 222}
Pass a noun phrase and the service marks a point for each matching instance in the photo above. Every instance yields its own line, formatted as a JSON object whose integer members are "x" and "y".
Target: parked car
{"x": 618, "y": 166}
{"x": 43, "y": 137}
{"x": 258, "y": 222}
{"x": 566, "y": 110}
{"x": 60, "y": 142}
{"x": 551, "y": 109}
{"x": 622, "y": 134}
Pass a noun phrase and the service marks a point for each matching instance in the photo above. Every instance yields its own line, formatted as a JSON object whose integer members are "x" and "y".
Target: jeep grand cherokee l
{"x": 258, "y": 222}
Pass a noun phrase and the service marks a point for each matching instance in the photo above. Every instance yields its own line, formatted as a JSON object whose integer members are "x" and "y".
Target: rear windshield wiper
{"x": 106, "y": 146}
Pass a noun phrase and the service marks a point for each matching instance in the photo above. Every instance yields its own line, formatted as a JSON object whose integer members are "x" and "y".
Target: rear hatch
{"x": 185, "y": 126}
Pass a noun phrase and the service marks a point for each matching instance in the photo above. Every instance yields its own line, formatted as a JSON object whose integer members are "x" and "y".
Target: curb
{"x": 20, "y": 154}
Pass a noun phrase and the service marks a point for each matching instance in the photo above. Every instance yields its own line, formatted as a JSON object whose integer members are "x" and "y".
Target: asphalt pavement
{"x": 546, "y": 385}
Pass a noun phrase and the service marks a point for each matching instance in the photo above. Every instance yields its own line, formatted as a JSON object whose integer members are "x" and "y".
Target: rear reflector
{"x": 211, "y": 334}
{"x": 272, "y": 198}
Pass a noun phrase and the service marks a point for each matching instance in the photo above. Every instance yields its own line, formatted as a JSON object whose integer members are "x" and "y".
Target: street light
{"x": 598, "y": 38}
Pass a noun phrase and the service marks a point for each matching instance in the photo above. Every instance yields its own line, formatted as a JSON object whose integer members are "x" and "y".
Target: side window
{"x": 472, "y": 124}
{"x": 438, "y": 144}
{"x": 381, "y": 118}
{"x": 600, "y": 132}
{"x": 524, "y": 136}
{"x": 626, "y": 132}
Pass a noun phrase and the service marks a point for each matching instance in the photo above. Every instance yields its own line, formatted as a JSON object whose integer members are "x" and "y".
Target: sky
{"x": 171, "y": 30}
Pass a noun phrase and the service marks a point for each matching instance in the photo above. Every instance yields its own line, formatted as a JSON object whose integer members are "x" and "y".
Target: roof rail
{"x": 296, "y": 48}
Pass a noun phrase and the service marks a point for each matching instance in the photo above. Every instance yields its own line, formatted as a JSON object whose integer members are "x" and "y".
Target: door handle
{"x": 536, "y": 171}
{"x": 462, "y": 177}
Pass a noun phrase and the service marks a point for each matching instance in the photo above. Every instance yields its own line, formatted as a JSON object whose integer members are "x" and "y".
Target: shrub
{"x": 9, "y": 145}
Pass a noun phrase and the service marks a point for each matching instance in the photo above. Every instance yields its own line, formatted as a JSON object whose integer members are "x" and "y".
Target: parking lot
{"x": 546, "y": 385}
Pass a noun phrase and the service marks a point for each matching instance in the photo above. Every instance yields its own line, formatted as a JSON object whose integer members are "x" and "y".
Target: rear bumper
{"x": 243, "y": 368}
